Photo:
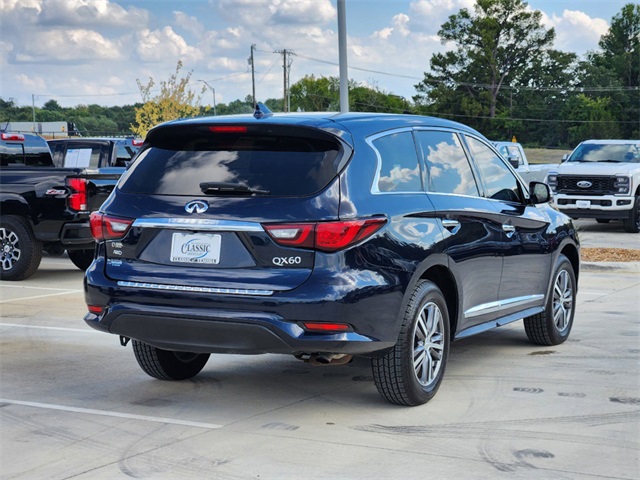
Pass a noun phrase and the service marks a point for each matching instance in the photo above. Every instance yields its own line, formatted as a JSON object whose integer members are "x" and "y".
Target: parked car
{"x": 600, "y": 179}
{"x": 44, "y": 207}
{"x": 516, "y": 156}
{"x": 326, "y": 236}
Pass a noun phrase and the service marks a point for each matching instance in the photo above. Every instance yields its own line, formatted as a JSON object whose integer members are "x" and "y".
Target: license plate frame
{"x": 195, "y": 248}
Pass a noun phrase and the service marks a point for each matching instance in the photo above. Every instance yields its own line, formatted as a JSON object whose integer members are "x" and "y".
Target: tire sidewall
{"x": 557, "y": 337}
{"x": 30, "y": 249}
{"x": 426, "y": 292}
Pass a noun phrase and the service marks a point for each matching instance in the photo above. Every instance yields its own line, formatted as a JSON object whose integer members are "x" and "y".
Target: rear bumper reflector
{"x": 188, "y": 288}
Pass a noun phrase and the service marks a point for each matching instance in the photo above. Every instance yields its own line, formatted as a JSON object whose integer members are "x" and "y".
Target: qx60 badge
{"x": 197, "y": 206}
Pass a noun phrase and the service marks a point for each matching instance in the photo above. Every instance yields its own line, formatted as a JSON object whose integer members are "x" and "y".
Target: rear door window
{"x": 280, "y": 161}
{"x": 399, "y": 169}
{"x": 448, "y": 169}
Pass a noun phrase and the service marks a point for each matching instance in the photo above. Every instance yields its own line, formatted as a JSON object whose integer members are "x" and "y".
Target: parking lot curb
{"x": 633, "y": 267}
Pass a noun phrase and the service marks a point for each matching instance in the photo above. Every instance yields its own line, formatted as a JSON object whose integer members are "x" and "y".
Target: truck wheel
{"x": 21, "y": 251}
{"x": 553, "y": 326}
{"x": 411, "y": 372}
{"x": 168, "y": 365}
{"x": 81, "y": 258}
{"x": 632, "y": 224}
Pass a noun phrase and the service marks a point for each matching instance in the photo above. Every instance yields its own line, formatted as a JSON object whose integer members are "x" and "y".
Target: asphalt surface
{"x": 74, "y": 403}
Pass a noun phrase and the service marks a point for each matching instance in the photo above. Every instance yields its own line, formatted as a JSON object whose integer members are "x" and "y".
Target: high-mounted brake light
{"x": 77, "y": 200}
{"x": 228, "y": 129}
{"x": 104, "y": 227}
{"x": 13, "y": 137}
{"x": 324, "y": 236}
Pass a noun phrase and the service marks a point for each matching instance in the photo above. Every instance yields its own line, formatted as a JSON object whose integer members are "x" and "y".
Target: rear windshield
{"x": 276, "y": 162}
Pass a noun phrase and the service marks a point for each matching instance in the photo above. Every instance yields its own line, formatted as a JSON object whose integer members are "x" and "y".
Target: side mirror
{"x": 540, "y": 193}
{"x": 565, "y": 157}
{"x": 514, "y": 160}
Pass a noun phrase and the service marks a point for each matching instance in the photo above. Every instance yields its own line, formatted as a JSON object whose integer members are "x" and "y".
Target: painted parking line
{"x": 106, "y": 413}
{"x": 34, "y": 297}
{"x": 44, "y": 327}
{"x": 31, "y": 287}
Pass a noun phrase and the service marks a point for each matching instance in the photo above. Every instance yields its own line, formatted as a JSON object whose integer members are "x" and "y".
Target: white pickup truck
{"x": 600, "y": 179}
{"x": 514, "y": 153}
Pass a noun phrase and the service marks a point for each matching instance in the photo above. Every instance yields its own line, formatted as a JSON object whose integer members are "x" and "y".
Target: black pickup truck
{"x": 44, "y": 207}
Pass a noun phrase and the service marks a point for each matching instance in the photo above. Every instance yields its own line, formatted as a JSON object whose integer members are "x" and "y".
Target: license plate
{"x": 195, "y": 248}
{"x": 583, "y": 204}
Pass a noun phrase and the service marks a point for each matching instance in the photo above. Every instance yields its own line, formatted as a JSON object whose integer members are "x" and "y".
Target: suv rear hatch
{"x": 222, "y": 208}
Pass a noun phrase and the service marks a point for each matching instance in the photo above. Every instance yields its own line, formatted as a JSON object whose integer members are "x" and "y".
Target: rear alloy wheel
{"x": 553, "y": 326}
{"x": 166, "y": 364}
{"x": 81, "y": 258}
{"x": 411, "y": 372}
{"x": 21, "y": 252}
{"x": 632, "y": 224}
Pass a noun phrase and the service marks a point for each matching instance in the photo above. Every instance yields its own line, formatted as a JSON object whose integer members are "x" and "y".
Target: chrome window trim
{"x": 203, "y": 224}
{"x": 493, "y": 307}
{"x": 188, "y": 288}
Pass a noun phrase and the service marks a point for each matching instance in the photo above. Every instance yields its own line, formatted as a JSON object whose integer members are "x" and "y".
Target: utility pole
{"x": 33, "y": 109}
{"x": 342, "y": 54}
{"x": 253, "y": 77}
{"x": 286, "y": 65}
{"x": 214, "y": 96}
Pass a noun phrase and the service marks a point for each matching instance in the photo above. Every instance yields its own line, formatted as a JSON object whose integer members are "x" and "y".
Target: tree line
{"x": 502, "y": 77}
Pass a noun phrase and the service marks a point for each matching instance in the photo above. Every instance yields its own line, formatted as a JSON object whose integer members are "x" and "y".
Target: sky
{"x": 82, "y": 52}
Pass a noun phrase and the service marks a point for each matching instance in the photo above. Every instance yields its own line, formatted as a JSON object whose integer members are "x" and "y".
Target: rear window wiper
{"x": 226, "y": 188}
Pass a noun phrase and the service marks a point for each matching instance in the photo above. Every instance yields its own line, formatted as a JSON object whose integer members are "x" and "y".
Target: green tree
{"x": 616, "y": 69}
{"x": 593, "y": 117}
{"x": 494, "y": 47}
{"x": 174, "y": 101}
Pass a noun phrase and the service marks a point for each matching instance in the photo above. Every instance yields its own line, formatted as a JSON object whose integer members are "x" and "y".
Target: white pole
{"x": 342, "y": 49}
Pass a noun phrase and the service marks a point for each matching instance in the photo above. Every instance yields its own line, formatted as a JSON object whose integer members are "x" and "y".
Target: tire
{"x": 168, "y": 365}
{"x": 396, "y": 375}
{"x": 632, "y": 224}
{"x": 603, "y": 220}
{"x": 81, "y": 258}
{"x": 553, "y": 326}
{"x": 21, "y": 252}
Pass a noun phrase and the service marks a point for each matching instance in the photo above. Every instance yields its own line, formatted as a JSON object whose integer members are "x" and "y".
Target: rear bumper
{"x": 207, "y": 322}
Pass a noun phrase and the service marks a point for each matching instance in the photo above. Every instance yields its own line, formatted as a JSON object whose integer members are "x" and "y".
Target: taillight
{"x": 77, "y": 200}
{"x": 324, "y": 236}
{"x": 13, "y": 137}
{"x": 137, "y": 142}
{"x": 104, "y": 227}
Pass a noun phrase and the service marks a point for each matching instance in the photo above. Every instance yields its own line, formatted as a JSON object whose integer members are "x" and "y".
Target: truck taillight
{"x": 13, "y": 137}
{"x": 77, "y": 200}
{"x": 324, "y": 236}
{"x": 104, "y": 227}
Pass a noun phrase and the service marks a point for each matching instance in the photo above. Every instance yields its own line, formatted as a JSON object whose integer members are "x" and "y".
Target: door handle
{"x": 508, "y": 229}
{"x": 452, "y": 225}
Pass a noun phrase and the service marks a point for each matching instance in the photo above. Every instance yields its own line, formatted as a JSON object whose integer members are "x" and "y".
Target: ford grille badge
{"x": 584, "y": 184}
{"x": 197, "y": 206}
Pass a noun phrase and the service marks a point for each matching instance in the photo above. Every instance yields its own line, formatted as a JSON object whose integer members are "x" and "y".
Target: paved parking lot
{"x": 76, "y": 405}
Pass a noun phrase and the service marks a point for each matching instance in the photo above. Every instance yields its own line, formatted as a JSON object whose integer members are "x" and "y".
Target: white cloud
{"x": 284, "y": 12}
{"x": 429, "y": 15}
{"x": 91, "y": 13}
{"x": 73, "y": 45}
{"x": 32, "y": 83}
{"x": 189, "y": 24}
{"x": 575, "y": 30}
{"x": 163, "y": 44}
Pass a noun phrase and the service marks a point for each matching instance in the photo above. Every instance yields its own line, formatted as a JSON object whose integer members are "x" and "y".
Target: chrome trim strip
{"x": 203, "y": 224}
{"x": 187, "y": 288}
{"x": 501, "y": 305}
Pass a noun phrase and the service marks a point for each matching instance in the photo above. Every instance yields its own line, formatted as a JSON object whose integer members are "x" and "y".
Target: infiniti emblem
{"x": 197, "y": 206}
{"x": 584, "y": 184}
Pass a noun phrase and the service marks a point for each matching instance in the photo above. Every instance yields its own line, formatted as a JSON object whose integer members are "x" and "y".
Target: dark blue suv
{"x": 326, "y": 236}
